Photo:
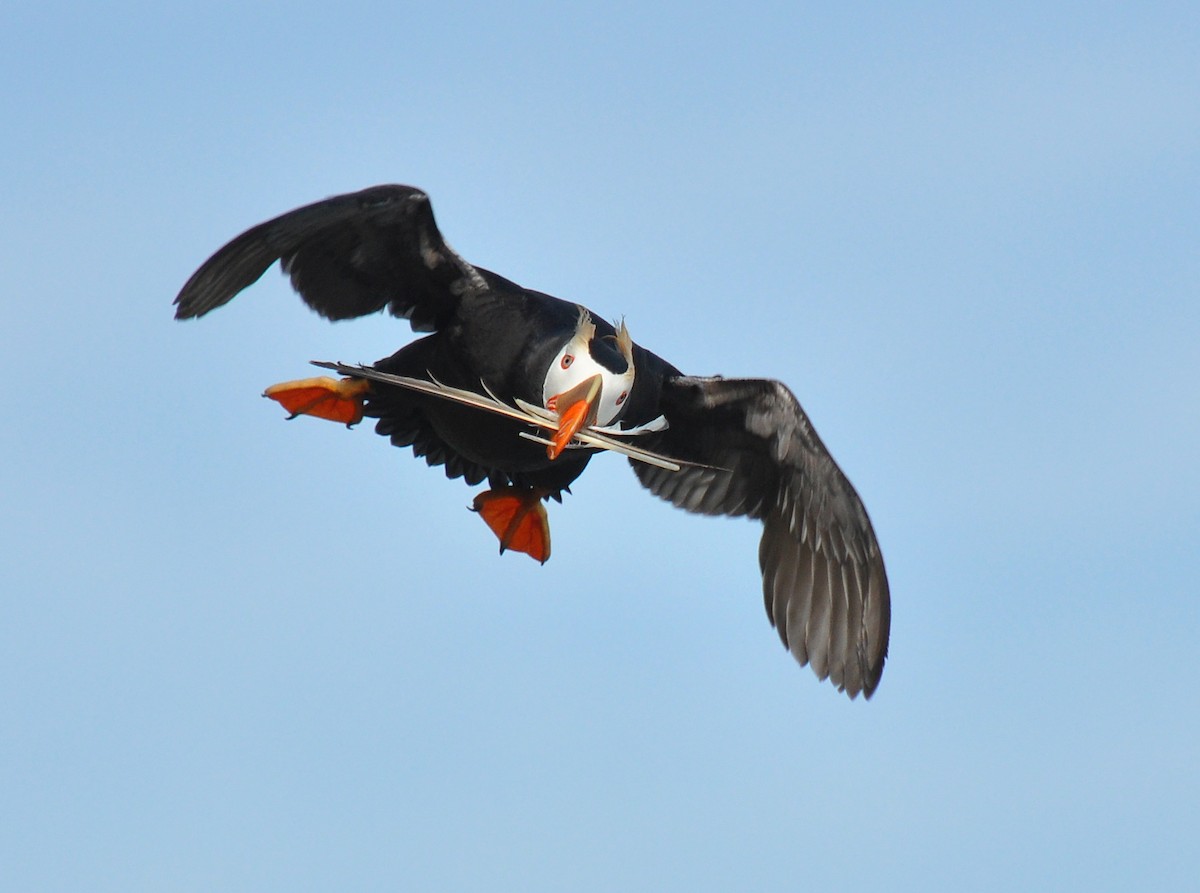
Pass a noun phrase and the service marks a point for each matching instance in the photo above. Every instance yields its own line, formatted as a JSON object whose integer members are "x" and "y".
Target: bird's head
{"x": 589, "y": 380}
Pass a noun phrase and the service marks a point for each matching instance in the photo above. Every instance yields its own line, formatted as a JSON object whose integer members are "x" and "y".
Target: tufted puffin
{"x": 521, "y": 389}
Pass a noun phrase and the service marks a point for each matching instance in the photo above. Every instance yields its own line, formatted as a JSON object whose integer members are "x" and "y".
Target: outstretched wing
{"x": 347, "y": 256}
{"x": 824, "y": 582}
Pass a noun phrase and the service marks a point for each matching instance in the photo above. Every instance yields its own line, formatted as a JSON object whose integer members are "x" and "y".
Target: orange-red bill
{"x": 324, "y": 397}
{"x": 518, "y": 519}
{"x": 579, "y": 403}
{"x": 569, "y": 422}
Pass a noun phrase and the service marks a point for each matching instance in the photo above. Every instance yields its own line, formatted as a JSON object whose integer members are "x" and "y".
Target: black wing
{"x": 347, "y": 256}
{"x": 824, "y": 582}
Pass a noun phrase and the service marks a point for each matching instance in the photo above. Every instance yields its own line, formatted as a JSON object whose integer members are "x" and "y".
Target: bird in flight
{"x": 520, "y": 389}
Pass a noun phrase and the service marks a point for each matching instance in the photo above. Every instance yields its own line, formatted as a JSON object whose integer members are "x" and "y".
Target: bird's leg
{"x": 518, "y": 518}
{"x": 338, "y": 400}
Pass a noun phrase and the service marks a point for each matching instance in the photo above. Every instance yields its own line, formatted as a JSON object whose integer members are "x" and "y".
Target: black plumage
{"x": 745, "y": 445}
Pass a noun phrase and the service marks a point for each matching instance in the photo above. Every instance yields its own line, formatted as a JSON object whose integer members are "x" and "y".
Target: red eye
{"x": 567, "y": 360}
{"x": 621, "y": 399}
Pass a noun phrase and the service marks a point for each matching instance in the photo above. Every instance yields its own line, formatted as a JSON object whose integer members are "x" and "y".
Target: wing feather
{"x": 757, "y": 454}
{"x": 347, "y": 256}
{"x": 798, "y": 602}
{"x": 817, "y": 632}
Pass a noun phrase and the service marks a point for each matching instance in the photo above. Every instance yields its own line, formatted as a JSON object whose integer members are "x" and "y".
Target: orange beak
{"x": 576, "y": 408}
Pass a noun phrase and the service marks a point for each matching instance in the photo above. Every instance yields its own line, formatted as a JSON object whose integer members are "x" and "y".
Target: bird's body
{"x": 709, "y": 445}
{"x": 502, "y": 342}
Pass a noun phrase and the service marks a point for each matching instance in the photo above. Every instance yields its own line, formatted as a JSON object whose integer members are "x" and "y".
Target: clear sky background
{"x": 238, "y": 653}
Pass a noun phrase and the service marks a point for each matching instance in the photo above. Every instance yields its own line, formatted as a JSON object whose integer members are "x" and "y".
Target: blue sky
{"x": 243, "y": 654}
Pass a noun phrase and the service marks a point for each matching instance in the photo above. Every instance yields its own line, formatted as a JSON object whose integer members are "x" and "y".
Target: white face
{"x": 574, "y": 365}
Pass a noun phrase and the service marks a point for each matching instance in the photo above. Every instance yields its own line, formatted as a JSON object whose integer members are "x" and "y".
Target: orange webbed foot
{"x": 518, "y": 519}
{"x": 338, "y": 400}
